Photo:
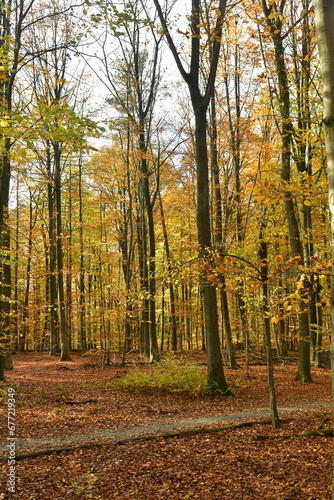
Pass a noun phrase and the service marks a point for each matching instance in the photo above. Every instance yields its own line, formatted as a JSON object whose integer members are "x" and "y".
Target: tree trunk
{"x": 263, "y": 257}
{"x": 200, "y": 103}
{"x": 25, "y": 315}
{"x": 54, "y": 345}
{"x": 235, "y": 140}
{"x": 82, "y": 301}
{"x": 147, "y": 220}
{"x": 16, "y": 267}
{"x": 65, "y": 351}
{"x": 143, "y": 272}
{"x": 216, "y": 376}
{"x": 169, "y": 269}
{"x": 324, "y": 20}
{"x": 69, "y": 303}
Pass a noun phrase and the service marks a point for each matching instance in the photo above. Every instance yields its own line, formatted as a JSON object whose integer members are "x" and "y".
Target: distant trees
{"x": 45, "y": 132}
{"x": 132, "y": 80}
{"x": 274, "y": 15}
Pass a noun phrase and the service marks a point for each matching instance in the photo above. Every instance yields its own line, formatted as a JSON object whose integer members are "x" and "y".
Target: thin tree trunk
{"x": 147, "y": 207}
{"x": 263, "y": 257}
{"x": 54, "y": 345}
{"x": 65, "y": 351}
{"x": 82, "y": 301}
{"x": 16, "y": 267}
{"x": 25, "y": 314}
{"x": 169, "y": 270}
{"x": 69, "y": 265}
{"x": 143, "y": 271}
{"x": 162, "y": 317}
{"x": 235, "y": 140}
{"x": 200, "y": 102}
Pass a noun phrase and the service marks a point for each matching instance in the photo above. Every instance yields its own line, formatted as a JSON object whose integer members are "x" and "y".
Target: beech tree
{"x": 324, "y": 19}
{"x": 200, "y": 96}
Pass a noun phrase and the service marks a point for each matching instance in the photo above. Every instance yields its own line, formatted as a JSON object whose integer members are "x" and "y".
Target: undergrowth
{"x": 171, "y": 374}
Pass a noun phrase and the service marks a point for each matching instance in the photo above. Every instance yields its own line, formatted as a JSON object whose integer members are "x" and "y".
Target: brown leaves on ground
{"x": 226, "y": 464}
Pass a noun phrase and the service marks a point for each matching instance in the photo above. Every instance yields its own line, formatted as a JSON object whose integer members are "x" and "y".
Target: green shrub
{"x": 171, "y": 374}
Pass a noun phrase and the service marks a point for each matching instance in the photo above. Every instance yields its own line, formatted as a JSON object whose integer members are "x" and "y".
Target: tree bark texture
{"x": 324, "y": 21}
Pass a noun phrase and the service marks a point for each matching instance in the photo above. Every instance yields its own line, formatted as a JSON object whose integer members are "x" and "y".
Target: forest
{"x": 139, "y": 214}
{"x": 166, "y": 186}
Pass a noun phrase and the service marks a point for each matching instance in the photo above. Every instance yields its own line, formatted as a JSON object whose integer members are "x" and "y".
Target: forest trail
{"x": 26, "y": 447}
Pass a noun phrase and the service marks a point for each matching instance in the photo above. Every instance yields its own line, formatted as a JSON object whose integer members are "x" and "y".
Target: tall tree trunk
{"x": 200, "y": 102}
{"x": 235, "y": 140}
{"x": 148, "y": 222}
{"x": 303, "y": 158}
{"x": 25, "y": 314}
{"x": 69, "y": 265}
{"x": 143, "y": 272}
{"x": 216, "y": 376}
{"x": 324, "y": 20}
{"x": 82, "y": 301}
{"x": 169, "y": 270}
{"x": 65, "y": 350}
{"x": 7, "y": 76}
{"x": 54, "y": 343}
{"x": 263, "y": 258}
{"x": 16, "y": 266}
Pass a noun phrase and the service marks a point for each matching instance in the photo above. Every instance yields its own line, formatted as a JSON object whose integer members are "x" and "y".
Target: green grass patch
{"x": 171, "y": 374}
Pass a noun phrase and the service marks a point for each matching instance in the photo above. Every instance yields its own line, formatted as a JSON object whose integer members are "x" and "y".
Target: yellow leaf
{"x": 307, "y": 203}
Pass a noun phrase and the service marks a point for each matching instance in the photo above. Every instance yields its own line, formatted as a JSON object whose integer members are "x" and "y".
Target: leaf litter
{"x": 67, "y": 403}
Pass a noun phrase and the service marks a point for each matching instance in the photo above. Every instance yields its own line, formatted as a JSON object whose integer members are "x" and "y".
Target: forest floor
{"x": 198, "y": 447}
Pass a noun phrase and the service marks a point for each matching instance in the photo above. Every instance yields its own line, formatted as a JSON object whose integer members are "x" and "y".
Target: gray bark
{"x": 324, "y": 21}
{"x": 200, "y": 101}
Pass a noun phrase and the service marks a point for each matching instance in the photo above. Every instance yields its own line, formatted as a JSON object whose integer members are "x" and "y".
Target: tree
{"x": 263, "y": 258}
{"x": 324, "y": 19}
{"x": 200, "y": 101}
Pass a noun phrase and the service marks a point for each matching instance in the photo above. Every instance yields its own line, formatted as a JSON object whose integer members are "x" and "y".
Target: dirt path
{"x": 48, "y": 444}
